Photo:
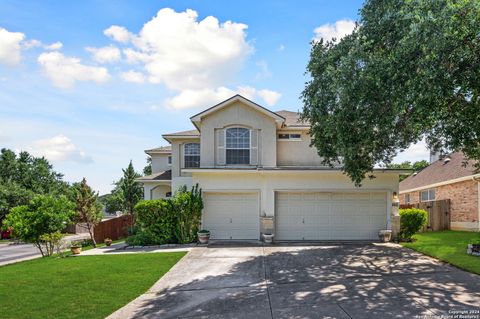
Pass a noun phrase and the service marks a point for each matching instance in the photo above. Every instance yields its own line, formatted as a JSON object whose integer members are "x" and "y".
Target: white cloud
{"x": 65, "y": 71}
{"x": 270, "y": 97}
{"x": 31, "y": 44}
{"x": 416, "y": 152}
{"x": 59, "y": 149}
{"x": 10, "y": 48}
{"x": 109, "y": 54}
{"x": 54, "y": 46}
{"x": 133, "y": 76}
{"x": 119, "y": 34}
{"x": 337, "y": 30}
{"x": 281, "y": 47}
{"x": 183, "y": 53}
{"x": 206, "y": 97}
{"x": 264, "y": 70}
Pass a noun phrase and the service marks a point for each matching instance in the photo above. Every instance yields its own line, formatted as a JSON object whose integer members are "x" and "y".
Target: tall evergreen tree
{"x": 88, "y": 208}
{"x": 131, "y": 190}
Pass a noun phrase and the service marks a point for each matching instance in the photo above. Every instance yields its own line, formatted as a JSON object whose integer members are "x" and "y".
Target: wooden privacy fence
{"x": 114, "y": 228}
{"x": 438, "y": 213}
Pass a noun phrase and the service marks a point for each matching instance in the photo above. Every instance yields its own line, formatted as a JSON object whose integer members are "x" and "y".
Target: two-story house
{"x": 259, "y": 175}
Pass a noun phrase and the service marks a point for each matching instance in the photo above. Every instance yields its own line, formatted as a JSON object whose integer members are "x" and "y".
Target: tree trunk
{"x": 89, "y": 226}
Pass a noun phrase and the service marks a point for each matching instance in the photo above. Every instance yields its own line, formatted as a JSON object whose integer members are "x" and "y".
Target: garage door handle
{"x": 303, "y": 220}
{"x": 230, "y": 220}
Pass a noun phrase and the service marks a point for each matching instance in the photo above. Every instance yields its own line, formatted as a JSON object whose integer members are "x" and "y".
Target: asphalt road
{"x": 14, "y": 253}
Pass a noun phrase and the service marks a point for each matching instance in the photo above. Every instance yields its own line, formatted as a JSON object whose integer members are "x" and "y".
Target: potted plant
{"x": 385, "y": 235}
{"x": 108, "y": 241}
{"x": 203, "y": 236}
{"x": 76, "y": 248}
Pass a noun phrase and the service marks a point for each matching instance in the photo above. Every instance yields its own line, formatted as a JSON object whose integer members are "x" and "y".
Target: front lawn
{"x": 79, "y": 287}
{"x": 449, "y": 246}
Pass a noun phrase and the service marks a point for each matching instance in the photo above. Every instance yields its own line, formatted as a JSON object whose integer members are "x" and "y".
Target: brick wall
{"x": 463, "y": 200}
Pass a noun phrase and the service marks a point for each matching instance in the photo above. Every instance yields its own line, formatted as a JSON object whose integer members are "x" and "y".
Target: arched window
{"x": 192, "y": 155}
{"x": 238, "y": 146}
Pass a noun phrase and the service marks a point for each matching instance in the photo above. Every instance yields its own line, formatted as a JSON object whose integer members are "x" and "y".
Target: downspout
{"x": 477, "y": 179}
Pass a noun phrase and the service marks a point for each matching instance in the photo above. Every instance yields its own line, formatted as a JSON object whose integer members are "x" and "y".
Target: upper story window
{"x": 237, "y": 146}
{"x": 289, "y": 137}
{"x": 192, "y": 155}
{"x": 427, "y": 195}
{"x": 169, "y": 160}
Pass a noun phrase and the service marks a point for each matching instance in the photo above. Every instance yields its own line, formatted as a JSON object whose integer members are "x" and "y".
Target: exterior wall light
{"x": 395, "y": 200}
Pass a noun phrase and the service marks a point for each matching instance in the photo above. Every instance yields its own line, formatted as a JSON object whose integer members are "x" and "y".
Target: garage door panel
{"x": 231, "y": 215}
{"x": 330, "y": 215}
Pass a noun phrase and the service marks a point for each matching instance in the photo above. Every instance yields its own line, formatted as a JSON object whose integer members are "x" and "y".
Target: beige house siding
{"x": 155, "y": 191}
{"x": 241, "y": 115}
{"x": 464, "y": 209}
{"x": 267, "y": 183}
{"x": 297, "y": 153}
{"x": 160, "y": 163}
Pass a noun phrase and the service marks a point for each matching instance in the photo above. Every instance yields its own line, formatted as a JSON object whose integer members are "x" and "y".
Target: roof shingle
{"x": 160, "y": 176}
{"x": 292, "y": 118}
{"x": 440, "y": 171}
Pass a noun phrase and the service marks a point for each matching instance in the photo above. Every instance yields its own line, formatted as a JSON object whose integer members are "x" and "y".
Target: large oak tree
{"x": 410, "y": 69}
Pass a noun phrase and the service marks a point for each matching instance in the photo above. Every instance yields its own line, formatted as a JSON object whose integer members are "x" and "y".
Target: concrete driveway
{"x": 328, "y": 281}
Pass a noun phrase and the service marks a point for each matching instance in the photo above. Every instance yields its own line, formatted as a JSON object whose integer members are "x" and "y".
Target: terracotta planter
{"x": 385, "y": 235}
{"x": 76, "y": 250}
{"x": 203, "y": 238}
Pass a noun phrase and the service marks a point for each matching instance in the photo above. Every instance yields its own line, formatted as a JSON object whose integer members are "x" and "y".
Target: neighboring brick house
{"x": 447, "y": 178}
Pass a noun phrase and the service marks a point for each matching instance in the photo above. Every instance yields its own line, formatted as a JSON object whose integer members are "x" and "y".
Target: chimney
{"x": 435, "y": 156}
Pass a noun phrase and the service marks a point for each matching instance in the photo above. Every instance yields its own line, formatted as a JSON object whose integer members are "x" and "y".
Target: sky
{"x": 91, "y": 84}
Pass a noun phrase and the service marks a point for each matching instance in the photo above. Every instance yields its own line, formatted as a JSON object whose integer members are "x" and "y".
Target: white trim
{"x": 149, "y": 181}
{"x": 451, "y": 181}
{"x": 224, "y": 169}
{"x": 198, "y": 117}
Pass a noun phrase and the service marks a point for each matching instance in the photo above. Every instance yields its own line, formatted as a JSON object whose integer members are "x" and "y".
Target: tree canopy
{"x": 22, "y": 176}
{"x": 415, "y": 167}
{"x": 410, "y": 69}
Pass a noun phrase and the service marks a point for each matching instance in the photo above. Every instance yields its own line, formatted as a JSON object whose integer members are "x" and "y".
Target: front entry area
{"x": 330, "y": 215}
{"x": 231, "y": 215}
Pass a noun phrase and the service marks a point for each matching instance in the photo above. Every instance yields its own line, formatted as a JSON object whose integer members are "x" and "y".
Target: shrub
{"x": 163, "y": 221}
{"x": 40, "y": 221}
{"x": 155, "y": 222}
{"x": 188, "y": 205}
{"x": 411, "y": 221}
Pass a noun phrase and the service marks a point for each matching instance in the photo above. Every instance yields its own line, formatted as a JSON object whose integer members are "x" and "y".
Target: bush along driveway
{"x": 324, "y": 281}
{"x": 78, "y": 287}
{"x": 449, "y": 246}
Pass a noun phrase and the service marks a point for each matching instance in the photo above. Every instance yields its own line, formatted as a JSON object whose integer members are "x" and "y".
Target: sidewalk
{"x": 121, "y": 248}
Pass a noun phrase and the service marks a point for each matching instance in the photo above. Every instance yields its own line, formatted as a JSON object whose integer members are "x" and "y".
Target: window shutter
{"x": 182, "y": 155}
{"x": 220, "y": 147}
{"x": 254, "y": 147}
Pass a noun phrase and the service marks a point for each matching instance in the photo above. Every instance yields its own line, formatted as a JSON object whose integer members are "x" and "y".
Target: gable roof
{"x": 292, "y": 119}
{"x": 160, "y": 150}
{"x": 440, "y": 171}
{"x": 198, "y": 117}
{"x": 184, "y": 133}
{"x": 159, "y": 176}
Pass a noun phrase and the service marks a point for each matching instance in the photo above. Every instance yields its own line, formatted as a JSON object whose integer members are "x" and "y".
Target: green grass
{"x": 449, "y": 246}
{"x": 78, "y": 287}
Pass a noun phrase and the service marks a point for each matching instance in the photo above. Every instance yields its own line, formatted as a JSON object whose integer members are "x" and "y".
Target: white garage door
{"x": 330, "y": 216}
{"x": 232, "y": 215}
